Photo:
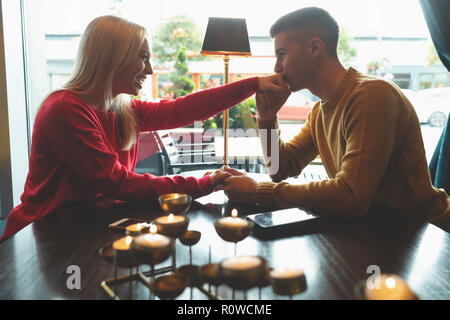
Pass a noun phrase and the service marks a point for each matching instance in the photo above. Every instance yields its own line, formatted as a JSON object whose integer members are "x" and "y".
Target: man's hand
{"x": 269, "y": 103}
{"x": 218, "y": 177}
{"x": 240, "y": 189}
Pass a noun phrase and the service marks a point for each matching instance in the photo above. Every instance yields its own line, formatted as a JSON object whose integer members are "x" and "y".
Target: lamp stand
{"x": 226, "y": 61}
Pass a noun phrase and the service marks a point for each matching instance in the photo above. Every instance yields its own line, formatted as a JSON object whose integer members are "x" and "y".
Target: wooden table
{"x": 335, "y": 254}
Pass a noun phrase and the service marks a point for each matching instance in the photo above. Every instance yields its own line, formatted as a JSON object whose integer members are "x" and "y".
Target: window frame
{"x": 14, "y": 116}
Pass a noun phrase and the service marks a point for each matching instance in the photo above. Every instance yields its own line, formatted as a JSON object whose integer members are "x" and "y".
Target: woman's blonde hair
{"x": 108, "y": 46}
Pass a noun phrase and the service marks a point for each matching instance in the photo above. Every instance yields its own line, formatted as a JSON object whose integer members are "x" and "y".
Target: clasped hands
{"x": 237, "y": 185}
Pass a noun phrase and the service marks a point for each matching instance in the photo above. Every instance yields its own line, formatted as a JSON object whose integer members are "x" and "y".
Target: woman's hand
{"x": 274, "y": 83}
{"x": 217, "y": 178}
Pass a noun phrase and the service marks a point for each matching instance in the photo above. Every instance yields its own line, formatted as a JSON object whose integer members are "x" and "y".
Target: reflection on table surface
{"x": 334, "y": 254}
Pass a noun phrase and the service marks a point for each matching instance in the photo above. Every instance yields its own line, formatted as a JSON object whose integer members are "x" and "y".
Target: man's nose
{"x": 277, "y": 68}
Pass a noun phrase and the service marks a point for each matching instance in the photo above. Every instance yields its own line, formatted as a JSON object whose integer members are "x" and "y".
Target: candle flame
{"x": 153, "y": 229}
{"x": 171, "y": 217}
{"x": 176, "y": 196}
{"x": 234, "y": 213}
{"x": 139, "y": 226}
{"x": 128, "y": 240}
{"x": 390, "y": 283}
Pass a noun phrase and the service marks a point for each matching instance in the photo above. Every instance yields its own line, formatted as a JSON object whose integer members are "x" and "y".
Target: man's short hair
{"x": 313, "y": 22}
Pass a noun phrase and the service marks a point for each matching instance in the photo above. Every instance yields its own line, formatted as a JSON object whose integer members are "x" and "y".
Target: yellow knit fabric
{"x": 369, "y": 139}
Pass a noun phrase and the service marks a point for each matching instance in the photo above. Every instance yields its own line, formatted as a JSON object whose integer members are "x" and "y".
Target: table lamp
{"x": 226, "y": 37}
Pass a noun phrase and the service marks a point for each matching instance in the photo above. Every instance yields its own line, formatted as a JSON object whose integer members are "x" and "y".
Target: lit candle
{"x": 152, "y": 239}
{"x": 233, "y": 221}
{"x": 170, "y": 219}
{"x": 286, "y": 273}
{"x": 136, "y": 229}
{"x": 177, "y": 203}
{"x": 288, "y": 281}
{"x": 123, "y": 244}
{"x": 390, "y": 287}
{"x": 241, "y": 263}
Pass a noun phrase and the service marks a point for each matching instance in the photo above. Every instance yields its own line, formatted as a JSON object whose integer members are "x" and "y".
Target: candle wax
{"x": 286, "y": 273}
{"x": 136, "y": 227}
{"x": 123, "y": 243}
{"x": 165, "y": 219}
{"x": 152, "y": 240}
{"x": 241, "y": 263}
{"x": 233, "y": 222}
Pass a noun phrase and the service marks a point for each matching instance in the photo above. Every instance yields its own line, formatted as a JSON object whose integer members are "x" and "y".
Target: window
{"x": 41, "y": 39}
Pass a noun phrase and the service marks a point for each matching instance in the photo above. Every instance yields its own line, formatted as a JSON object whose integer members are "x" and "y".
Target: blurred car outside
{"x": 432, "y": 105}
{"x": 296, "y": 107}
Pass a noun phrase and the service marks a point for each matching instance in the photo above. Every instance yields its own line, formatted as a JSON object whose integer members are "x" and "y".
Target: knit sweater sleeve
{"x": 197, "y": 106}
{"x": 371, "y": 131}
{"x": 286, "y": 159}
{"x": 78, "y": 140}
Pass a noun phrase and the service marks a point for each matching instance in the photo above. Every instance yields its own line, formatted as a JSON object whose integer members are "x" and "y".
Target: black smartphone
{"x": 277, "y": 222}
{"x": 122, "y": 224}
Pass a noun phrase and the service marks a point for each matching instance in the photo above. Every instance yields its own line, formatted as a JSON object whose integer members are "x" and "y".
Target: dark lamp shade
{"x": 226, "y": 36}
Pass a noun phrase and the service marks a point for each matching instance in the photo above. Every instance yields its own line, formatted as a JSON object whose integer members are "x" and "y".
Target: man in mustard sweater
{"x": 364, "y": 129}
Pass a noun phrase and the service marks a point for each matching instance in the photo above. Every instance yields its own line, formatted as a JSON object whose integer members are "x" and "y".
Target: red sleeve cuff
{"x": 205, "y": 184}
{"x": 258, "y": 89}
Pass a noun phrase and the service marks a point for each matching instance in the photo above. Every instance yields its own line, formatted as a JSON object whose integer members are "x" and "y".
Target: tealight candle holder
{"x": 153, "y": 248}
{"x": 192, "y": 275}
{"x": 210, "y": 274}
{"x": 172, "y": 225}
{"x": 389, "y": 287}
{"x": 123, "y": 253}
{"x": 169, "y": 287}
{"x": 264, "y": 282}
{"x": 123, "y": 257}
{"x": 233, "y": 229}
{"x": 177, "y": 203}
{"x": 190, "y": 238}
{"x": 107, "y": 253}
{"x": 243, "y": 272}
{"x": 137, "y": 229}
{"x": 288, "y": 282}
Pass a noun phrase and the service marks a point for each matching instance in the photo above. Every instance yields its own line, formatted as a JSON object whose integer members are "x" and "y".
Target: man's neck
{"x": 328, "y": 78}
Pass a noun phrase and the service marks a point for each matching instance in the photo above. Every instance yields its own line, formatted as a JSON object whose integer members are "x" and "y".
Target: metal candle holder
{"x": 173, "y": 230}
{"x": 243, "y": 279}
{"x": 169, "y": 287}
{"x": 234, "y": 233}
{"x": 176, "y": 203}
{"x": 190, "y": 238}
{"x": 288, "y": 286}
{"x": 152, "y": 255}
{"x": 124, "y": 258}
{"x": 137, "y": 229}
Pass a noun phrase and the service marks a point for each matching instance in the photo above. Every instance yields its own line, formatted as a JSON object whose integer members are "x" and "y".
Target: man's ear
{"x": 316, "y": 47}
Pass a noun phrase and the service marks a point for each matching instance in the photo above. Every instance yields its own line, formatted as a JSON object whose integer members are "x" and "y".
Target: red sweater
{"x": 75, "y": 154}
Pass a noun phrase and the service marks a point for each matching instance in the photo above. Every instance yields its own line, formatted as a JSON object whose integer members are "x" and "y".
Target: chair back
{"x": 185, "y": 155}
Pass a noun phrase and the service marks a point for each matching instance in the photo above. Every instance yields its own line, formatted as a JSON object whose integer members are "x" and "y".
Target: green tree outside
{"x": 182, "y": 85}
{"x": 346, "y": 50}
{"x": 178, "y": 32}
{"x": 241, "y": 116}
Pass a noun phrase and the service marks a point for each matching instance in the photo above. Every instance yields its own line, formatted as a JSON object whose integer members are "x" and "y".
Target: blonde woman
{"x": 84, "y": 142}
